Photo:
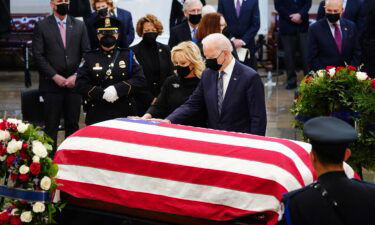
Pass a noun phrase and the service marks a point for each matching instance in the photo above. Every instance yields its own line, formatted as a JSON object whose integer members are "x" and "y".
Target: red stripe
{"x": 239, "y": 152}
{"x": 290, "y": 144}
{"x": 153, "y": 202}
{"x": 223, "y": 179}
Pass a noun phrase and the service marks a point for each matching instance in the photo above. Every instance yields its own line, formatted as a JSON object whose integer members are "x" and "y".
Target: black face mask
{"x": 108, "y": 41}
{"x": 150, "y": 37}
{"x": 333, "y": 18}
{"x": 195, "y": 19}
{"x": 62, "y": 9}
{"x": 103, "y": 12}
{"x": 213, "y": 64}
{"x": 183, "y": 71}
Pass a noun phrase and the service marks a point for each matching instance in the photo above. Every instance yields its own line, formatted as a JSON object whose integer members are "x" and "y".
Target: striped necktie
{"x": 220, "y": 91}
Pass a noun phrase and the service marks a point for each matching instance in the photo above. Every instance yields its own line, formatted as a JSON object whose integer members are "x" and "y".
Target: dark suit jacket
{"x": 177, "y": 15}
{"x": 247, "y": 25}
{"x": 179, "y": 34}
{"x": 50, "y": 55}
{"x": 145, "y": 96}
{"x": 323, "y": 50}
{"x": 354, "y": 12}
{"x": 287, "y": 7}
{"x": 126, "y": 31}
{"x": 243, "y": 108}
{"x": 80, "y": 8}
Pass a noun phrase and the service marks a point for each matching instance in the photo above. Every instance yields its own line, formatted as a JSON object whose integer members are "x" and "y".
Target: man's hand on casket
{"x": 110, "y": 94}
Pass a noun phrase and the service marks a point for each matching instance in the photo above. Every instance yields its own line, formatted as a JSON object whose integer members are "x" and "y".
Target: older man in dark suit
{"x": 293, "y": 25}
{"x": 186, "y": 30}
{"x": 353, "y": 11}
{"x": 243, "y": 19}
{"x": 58, "y": 45}
{"x": 333, "y": 41}
{"x": 231, "y": 93}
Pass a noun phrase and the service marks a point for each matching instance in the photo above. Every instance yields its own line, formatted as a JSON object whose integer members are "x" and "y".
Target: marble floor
{"x": 278, "y": 100}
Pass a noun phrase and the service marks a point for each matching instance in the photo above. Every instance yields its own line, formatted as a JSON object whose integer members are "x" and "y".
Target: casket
{"x": 180, "y": 174}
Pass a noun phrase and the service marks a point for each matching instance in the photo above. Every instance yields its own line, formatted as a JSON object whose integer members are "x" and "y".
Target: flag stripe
{"x": 162, "y": 187}
{"x": 231, "y": 151}
{"x": 180, "y": 173}
{"x": 240, "y": 166}
{"x": 217, "y": 138}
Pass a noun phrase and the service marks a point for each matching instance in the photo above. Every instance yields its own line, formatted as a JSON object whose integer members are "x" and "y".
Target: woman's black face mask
{"x": 108, "y": 41}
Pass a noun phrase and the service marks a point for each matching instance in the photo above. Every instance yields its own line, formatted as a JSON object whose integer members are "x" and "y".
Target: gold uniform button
{"x": 123, "y": 74}
{"x": 109, "y": 56}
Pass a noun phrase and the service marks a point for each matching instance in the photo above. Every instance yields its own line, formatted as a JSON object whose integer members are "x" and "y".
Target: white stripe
{"x": 349, "y": 171}
{"x": 197, "y": 160}
{"x": 173, "y": 189}
{"x": 214, "y": 138}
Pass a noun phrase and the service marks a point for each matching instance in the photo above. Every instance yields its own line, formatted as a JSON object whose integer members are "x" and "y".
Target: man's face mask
{"x": 62, "y": 9}
{"x": 195, "y": 18}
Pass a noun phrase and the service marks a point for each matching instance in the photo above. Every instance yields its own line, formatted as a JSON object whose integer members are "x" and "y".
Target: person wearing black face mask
{"x": 187, "y": 30}
{"x": 155, "y": 59}
{"x": 333, "y": 41}
{"x": 231, "y": 93}
{"x": 109, "y": 77}
{"x": 59, "y": 42}
{"x": 177, "y": 88}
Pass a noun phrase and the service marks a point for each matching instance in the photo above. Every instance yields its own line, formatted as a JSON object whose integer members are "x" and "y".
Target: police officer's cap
{"x": 329, "y": 131}
{"x": 108, "y": 25}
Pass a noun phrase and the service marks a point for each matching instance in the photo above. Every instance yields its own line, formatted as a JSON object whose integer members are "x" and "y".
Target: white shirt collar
{"x": 229, "y": 69}
{"x": 58, "y": 19}
{"x": 228, "y": 75}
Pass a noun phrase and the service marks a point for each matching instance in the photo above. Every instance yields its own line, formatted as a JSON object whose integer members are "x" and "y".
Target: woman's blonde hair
{"x": 191, "y": 53}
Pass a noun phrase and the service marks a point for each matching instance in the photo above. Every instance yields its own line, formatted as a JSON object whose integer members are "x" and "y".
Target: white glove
{"x": 110, "y": 94}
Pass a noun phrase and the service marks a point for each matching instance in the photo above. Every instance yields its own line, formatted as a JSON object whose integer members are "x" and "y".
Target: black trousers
{"x": 56, "y": 105}
{"x": 292, "y": 44}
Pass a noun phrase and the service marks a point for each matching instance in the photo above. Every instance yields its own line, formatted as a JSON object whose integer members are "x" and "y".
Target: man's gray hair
{"x": 188, "y": 3}
{"x": 219, "y": 41}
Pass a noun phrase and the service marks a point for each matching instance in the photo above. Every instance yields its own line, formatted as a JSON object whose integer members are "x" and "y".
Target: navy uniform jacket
{"x": 247, "y": 25}
{"x": 243, "y": 108}
{"x": 354, "y": 11}
{"x": 126, "y": 31}
{"x": 355, "y": 202}
{"x": 287, "y": 7}
{"x": 323, "y": 50}
{"x": 92, "y": 79}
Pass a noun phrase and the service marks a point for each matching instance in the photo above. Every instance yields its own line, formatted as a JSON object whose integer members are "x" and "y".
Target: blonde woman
{"x": 177, "y": 89}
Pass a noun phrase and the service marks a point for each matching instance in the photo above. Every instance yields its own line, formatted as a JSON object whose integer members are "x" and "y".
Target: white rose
{"x": 321, "y": 73}
{"x": 14, "y": 146}
{"x": 332, "y": 72}
{"x": 26, "y": 217}
{"x": 39, "y": 149}
{"x": 3, "y": 158}
{"x": 4, "y": 135}
{"x": 14, "y": 121}
{"x": 24, "y": 169}
{"x": 39, "y": 207}
{"x": 36, "y": 159}
{"x": 361, "y": 76}
{"x": 22, "y": 127}
{"x": 45, "y": 183}
{"x": 14, "y": 211}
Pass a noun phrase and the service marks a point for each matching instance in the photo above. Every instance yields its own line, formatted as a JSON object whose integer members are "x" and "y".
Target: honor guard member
{"x": 109, "y": 76}
{"x": 334, "y": 198}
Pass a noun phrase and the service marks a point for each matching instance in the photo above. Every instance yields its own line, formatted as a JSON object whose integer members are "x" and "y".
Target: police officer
{"x": 334, "y": 198}
{"x": 109, "y": 76}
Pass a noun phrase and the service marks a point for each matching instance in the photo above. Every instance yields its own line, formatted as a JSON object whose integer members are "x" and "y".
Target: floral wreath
{"x": 27, "y": 175}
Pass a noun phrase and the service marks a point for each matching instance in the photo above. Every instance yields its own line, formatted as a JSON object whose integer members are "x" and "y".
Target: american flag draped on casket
{"x": 181, "y": 170}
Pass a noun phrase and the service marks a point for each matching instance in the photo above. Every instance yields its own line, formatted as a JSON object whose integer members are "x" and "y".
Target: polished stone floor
{"x": 278, "y": 99}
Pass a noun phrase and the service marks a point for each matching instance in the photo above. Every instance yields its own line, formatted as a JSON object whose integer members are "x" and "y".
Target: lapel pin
{"x": 160, "y": 50}
{"x": 345, "y": 28}
{"x": 235, "y": 78}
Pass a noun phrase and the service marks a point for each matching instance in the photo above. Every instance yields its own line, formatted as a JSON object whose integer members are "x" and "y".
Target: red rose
{"x": 24, "y": 146}
{"x": 3, "y": 125}
{"x": 13, "y": 176}
{"x": 373, "y": 84}
{"x": 4, "y": 218}
{"x": 15, "y": 220}
{"x": 352, "y": 68}
{"x": 35, "y": 168}
{"x": 10, "y": 159}
{"x": 330, "y": 67}
{"x": 23, "y": 177}
{"x": 24, "y": 156}
{"x": 308, "y": 80}
{"x": 3, "y": 150}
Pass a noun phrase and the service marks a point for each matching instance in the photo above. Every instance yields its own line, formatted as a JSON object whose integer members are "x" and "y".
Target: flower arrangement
{"x": 27, "y": 175}
{"x": 347, "y": 93}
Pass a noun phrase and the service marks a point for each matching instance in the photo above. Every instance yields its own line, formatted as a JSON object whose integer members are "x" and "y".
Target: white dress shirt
{"x": 58, "y": 21}
{"x": 228, "y": 74}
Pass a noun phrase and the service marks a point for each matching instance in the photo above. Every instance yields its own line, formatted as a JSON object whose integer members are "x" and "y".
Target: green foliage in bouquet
{"x": 348, "y": 94}
{"x": 25, "y": 167}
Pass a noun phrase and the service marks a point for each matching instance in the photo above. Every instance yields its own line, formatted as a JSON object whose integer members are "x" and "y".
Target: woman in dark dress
{"x": 155, "y": 59}
{"x": 177, "y": 88}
